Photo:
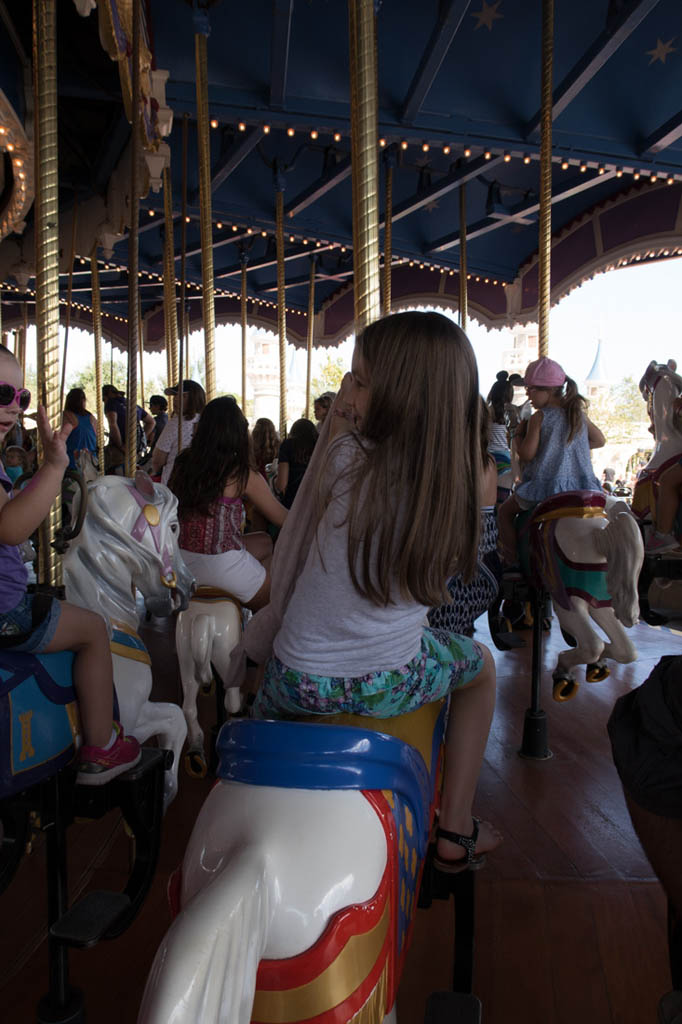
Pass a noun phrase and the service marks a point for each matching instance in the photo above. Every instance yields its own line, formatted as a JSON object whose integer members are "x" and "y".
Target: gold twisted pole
{"x": 183, "y": 339}
{"x": 97, "y": 332}
{"x": 463, "y": 290}
{"x": 364, "y": 122}
{"x": 311, "y": 333}
{"x": 143, "y": 331}
{"x": 281, "y": 310}
{"x": 388, "y": 237}
{"x": 22, "y": 338}
{"x": 134, "y": 256}
{"x": 69, "y": 296}
{"x": 203, "y": 140}
{"x": 545, "y": 229}
{"x": 169, "y": 306}
{"x": 47, "y": 252}
{"x": 243, "y": 296}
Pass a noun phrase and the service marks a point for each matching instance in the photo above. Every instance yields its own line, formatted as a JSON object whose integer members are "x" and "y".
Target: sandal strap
{"x": 468, "y": 843}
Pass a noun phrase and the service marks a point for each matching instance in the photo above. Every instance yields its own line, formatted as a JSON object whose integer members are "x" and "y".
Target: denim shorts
{"x": 19, "y": 620}
{"x": 445, "y": 662}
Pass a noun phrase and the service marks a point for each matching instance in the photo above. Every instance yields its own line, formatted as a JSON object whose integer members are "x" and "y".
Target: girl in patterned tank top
{"x": 211, "y": 479}
{"x": 555, "y": 450}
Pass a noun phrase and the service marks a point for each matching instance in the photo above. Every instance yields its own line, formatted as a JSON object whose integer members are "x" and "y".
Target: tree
{"x": 329, "y": 377}
{"x": 621, "y": 413}
{"x": 85, "y": 379}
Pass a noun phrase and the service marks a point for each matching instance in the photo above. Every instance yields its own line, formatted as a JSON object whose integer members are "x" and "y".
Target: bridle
{"x": 150, "y": 519}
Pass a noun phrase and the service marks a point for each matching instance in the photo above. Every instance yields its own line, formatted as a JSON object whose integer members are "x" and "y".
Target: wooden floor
{"x": 570, "y": 919}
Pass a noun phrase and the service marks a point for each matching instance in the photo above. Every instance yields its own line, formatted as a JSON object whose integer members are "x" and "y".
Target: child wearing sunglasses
{"x": 106, "y": 752}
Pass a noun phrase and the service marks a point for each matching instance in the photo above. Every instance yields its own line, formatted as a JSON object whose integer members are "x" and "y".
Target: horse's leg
{"x": 588, "y": 648}
{"x": 227, "y": 636}
{"x": 195, "y": 759}
{"x": 620, "y": 647}
{"x": 168, "y": 723}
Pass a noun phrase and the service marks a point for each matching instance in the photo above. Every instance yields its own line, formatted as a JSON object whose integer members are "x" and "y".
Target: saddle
{"x": 542, "y": 559}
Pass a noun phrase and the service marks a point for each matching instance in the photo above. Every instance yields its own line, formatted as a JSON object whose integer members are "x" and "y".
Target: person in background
{"x": 265, "y": 441}
{"x": 158, "y": 407}
{"x": 115, "y": 410}
{"x": 321, "y": 407}
{"x": 83, "y": 436}
{"x": 608, "y": 477}
{"x": 293, "y": 459}
{"x": 14, "y": 460}
{"x": 166, "y": 448}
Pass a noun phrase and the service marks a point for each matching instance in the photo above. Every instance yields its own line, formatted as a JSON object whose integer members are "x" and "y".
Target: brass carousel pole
{"x": 69, "y": 295}
{"x": 184, "y": 335}
{"x": 97, "y": 332}
{"x": 134, "y": 256}
{"x": 169, "y": 301}
{"x": 463, "y": 290}
{"x": 364, "y": 120}
{"x": 23, "y": 338}
{"x": 47, "y": 252}
{"x": 281, "y": 305}
{"x": 545, "y": 234}
{"x": 243, "y": 297}
{"x": 388, "y": 231}
{"x": 143, "y": 332}
{"x": 311, "y": 333}
{"x": 206, "y": 216}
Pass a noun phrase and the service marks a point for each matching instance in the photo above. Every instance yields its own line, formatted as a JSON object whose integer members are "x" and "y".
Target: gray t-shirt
{"x": 329, "y": 629}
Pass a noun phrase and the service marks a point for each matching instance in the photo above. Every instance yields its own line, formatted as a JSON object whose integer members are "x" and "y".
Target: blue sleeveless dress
{"x": 558, "y": 466}
{"x": 82, "y": 436}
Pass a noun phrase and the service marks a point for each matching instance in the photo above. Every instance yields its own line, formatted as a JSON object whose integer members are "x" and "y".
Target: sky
{"x": 636, "y": 311}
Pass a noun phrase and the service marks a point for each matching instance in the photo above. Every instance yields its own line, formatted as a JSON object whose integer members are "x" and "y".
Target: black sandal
{"x": 470, "y": 862}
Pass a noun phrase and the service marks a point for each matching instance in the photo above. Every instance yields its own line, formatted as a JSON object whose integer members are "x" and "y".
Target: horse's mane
{"x": 621, "y": 545}
{"x": 99, "y": 519}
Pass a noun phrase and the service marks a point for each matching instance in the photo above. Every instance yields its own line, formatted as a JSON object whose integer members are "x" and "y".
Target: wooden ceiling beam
{"x": 446, "y": 28}
{"x": 594, "y": 59}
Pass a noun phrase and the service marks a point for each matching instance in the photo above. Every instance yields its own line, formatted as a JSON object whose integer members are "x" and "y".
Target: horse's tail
{"x": 621, "y": 545}
{"x": 201, "y": 644}
{"x": 205, "y": 968}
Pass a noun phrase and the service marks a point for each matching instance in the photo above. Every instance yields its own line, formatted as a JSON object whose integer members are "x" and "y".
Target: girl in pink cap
{"x": 556, "y": 448}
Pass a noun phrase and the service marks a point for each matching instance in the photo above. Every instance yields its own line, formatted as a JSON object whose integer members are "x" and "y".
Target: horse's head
{"x": 661, "y": 388}
{"x": 130, "y": 535}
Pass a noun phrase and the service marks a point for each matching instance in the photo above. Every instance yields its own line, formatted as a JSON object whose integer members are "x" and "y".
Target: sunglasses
{"x": 9, "y": 394}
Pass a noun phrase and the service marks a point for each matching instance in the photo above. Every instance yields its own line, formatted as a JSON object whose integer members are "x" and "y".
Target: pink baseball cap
{"x": 544, "y": 373}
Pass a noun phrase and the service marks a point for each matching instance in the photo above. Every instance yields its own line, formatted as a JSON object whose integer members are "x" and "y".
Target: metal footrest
{"x": 90, "y": 919}
{"x": 453, "y": 1008}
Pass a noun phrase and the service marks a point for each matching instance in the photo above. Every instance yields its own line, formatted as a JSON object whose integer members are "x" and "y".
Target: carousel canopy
{"x": 459, "y": 101}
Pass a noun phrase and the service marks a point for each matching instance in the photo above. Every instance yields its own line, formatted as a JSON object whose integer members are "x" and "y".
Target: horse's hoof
{"x": 596, "y": 672}
{"x": 208, "y": 689}
{"x": 195, "y": 764}
{"x": 564, "y": 689}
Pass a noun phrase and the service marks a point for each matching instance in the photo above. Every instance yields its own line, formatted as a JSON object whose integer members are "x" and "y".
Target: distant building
{"x": 262, "y": 380}
{"x": 524, "y": 350}
{"x": 596, "y": 382}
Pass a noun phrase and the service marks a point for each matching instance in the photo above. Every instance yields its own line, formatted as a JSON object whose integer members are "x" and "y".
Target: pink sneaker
{"x": 660, "y": 543}
{"x": 98, "y": 766}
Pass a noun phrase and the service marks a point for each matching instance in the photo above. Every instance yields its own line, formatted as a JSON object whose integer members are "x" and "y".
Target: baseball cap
{"x": 187, "y": 385}
{"x": 544, "y": 373}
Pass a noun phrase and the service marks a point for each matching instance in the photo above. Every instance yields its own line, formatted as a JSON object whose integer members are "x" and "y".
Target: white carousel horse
{"x": 204, "y": 637}
{"x": 586, "y": 552}
{"x": 128, "y": 542}
{"x": 299, "y": 884}
{"x": 661, "y": 388}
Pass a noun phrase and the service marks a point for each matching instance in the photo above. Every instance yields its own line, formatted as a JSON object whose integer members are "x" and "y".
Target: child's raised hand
{"x": 343, "y": 416}
{"x": 53, "y": 441}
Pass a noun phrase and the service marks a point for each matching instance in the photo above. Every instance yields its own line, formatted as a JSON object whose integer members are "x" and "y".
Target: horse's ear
{"x": 672, "y": 365}
{"x": 144, "y": 484}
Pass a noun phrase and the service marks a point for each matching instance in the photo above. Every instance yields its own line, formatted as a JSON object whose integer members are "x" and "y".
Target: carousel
{"x": 167, "y": 167}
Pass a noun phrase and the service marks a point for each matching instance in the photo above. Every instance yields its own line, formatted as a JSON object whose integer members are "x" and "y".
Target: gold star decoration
{"x": 487, "y": 15}
{"x": 432, "y": 206}
{"x": 661, "y": 51}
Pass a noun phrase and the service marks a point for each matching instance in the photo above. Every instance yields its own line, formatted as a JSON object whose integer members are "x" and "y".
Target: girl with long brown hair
{"x": 398, "y": 512}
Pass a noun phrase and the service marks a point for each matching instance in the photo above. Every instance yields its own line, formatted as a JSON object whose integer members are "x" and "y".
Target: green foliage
{"x": 329, "y": 377}
{"x": 620, "y": 413}
{"x": 85, "y": 379}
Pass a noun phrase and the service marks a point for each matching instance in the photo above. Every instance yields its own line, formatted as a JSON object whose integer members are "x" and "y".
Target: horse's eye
{"x": 174, "y": 527}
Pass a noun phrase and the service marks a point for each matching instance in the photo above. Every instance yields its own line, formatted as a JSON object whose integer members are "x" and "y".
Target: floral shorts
{"x": 445, "y": 662}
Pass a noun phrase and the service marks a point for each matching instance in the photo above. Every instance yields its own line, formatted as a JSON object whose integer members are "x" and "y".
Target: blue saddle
{"x": 39, "y": 723}
{"x": 302, "y": 755}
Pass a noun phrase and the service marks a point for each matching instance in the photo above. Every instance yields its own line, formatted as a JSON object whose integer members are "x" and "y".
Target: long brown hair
{"x": 219, "y": 452}
{"x": 573, "y": 404}
{"x": 413, "y": 512}
{"x": 265, "y": 441}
